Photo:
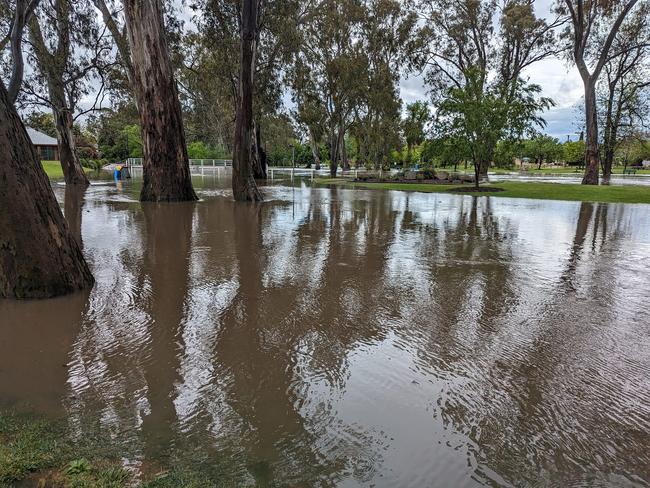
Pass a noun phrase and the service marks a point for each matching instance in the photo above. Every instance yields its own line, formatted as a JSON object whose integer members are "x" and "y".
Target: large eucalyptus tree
{"x": 39, "y": 256}
{"x": 166, "y": 171}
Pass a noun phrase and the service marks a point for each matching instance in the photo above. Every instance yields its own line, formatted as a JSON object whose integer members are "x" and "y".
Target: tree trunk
{"x": 73, "y": 172}
{"x": 39, "y": 257}
{"x": 259, "y": 160}
{"x": 592, "y": 160}
{"x": 334, "y": 153}
{"x": 345, "y": 163}
{"x": 244, "y": 187}
{"x": 165, "y": 167}
{"x": 314, "y": 150}
{"x": 608, "y": 162}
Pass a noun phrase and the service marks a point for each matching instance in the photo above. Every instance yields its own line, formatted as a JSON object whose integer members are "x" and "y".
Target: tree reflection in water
{"x": 360, "y": 338}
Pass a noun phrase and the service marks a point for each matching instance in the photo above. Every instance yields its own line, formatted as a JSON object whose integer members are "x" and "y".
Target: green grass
{"x": 36, "y": 451}
{"x": 54, "y": 171}
{"x": 543, "y": 191}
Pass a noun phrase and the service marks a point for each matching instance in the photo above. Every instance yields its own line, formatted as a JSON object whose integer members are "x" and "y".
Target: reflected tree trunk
{"x": 167, "y": 261}
{"x": 72, "y": 206}
{"x": 39, "y": 256}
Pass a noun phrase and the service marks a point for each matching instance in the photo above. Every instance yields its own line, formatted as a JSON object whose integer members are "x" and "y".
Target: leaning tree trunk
{"x": 259, "y": 154}
{"x": 244, "y": 187}
{"x": 166, "y": 170}
{"x": 592, "y": 159}
{"x": 39, "y": 257}
{"x": 73, "y": 172}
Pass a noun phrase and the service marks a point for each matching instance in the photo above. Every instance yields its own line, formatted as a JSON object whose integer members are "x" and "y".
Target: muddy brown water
{"x": 335, "y": 337}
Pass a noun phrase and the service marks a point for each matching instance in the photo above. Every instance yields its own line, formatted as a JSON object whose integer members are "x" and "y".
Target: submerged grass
{"x": 516, "y": 189}
{"x": 37, "y": 452}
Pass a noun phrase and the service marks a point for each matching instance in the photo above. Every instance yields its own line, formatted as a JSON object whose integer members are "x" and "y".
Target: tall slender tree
{"x": 244, "y": 187}
{"x": 166, "y": 170}
{"x": 620, "y": 94}
{"x": 588, "y": 17}
{"x": 56, "y": 29}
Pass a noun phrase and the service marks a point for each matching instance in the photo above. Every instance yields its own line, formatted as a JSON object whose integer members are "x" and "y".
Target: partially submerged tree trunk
{"x": 334, "y": 153}
{"x": 39, "y": 257}
{"x": 244, "y": 187}
{"x": 166, "y": 170}
{"x": 259, "y": 159}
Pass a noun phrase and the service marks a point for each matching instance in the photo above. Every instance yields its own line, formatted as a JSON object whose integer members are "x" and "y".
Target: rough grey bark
{"x": 166, "y": 170}
{"x": 244, "y": 187}
{"x": 39, "y": 256}
{"x": 259, "y": 159}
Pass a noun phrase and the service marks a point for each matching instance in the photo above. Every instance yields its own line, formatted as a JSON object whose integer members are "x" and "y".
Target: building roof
{"x": 40, "y": 139}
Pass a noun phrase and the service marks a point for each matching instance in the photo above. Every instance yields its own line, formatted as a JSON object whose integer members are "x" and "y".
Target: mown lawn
{"x": 54, "y": 171}
{"x": 543, "y": 191}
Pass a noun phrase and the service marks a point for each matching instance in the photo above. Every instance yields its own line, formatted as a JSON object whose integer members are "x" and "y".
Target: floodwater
{"x": 333, "y": 337}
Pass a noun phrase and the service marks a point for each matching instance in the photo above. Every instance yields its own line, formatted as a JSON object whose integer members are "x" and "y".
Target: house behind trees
{"x": 47, "y": 147}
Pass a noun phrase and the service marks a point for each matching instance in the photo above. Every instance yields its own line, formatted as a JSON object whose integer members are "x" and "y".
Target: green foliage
{"x": 444, "y": 151}
{"x": 414, "y": 124}
{"x": 42, "y": 122}
{"x": 78, "y": 466}
{"x": 480, "y": 117}
{"x": 200, "y": 150}
{"x": 573, "y": 152}
{"x": 542, "y": 149}
{"x": 117, "y": 132}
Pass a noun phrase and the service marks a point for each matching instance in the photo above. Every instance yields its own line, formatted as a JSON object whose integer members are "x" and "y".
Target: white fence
{"x": 214, "y": 163}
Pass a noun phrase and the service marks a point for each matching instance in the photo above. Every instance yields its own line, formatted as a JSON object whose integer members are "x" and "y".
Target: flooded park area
{"x": 339, "y": 337}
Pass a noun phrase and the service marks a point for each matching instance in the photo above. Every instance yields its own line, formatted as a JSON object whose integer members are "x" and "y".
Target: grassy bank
{"x": 54, "y": 171}
{"x": 543, "y": 191}
{"x": 35, "y": 451}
